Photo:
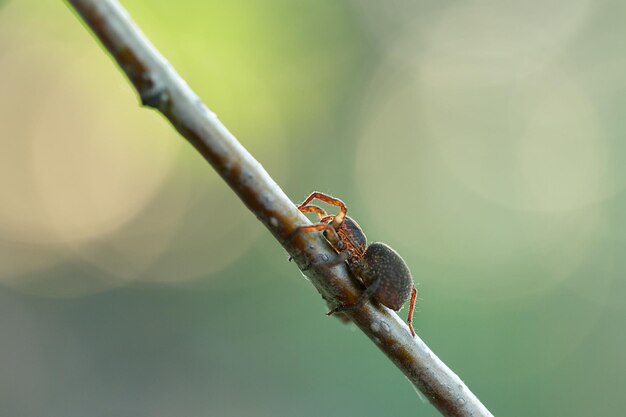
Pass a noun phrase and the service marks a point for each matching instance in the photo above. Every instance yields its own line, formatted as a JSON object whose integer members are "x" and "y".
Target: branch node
{"x": 156, "y": 97}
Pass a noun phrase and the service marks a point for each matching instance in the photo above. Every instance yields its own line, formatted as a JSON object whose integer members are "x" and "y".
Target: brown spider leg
{"x": 314, "y": 209}
{"x": 409, "y": 319}
{"x": 331, "y": 235}
{"x": 338, "y": 219}
{"x": 366, "y": 295}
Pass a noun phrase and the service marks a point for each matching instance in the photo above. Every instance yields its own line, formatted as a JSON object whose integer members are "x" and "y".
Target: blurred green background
{"x": 482, "y": 140}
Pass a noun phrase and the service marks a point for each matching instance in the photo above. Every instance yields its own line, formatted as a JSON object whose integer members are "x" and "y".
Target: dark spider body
{"x": 384, "y": 273}
{"x": 380, "y": 260}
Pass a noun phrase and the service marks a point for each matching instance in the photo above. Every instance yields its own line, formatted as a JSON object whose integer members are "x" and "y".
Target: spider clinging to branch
{"x": 383, "y": 272}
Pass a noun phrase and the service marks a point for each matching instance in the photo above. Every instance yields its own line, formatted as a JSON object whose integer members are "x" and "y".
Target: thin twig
{"x": 160, "y": 87}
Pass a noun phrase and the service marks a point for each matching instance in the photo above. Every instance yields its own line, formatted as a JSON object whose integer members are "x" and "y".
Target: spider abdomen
{"x": 383, "y": 264}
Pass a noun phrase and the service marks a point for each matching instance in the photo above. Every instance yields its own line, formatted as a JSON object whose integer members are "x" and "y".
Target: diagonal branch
{"x": 160, "y": 87}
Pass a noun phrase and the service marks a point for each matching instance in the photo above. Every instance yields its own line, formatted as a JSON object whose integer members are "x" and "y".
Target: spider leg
{"x": 314, "y": 209}
{"x": 366, "y": 295}
{"x": 324, "y": 217}
{"x": 331, "y": 234}
{"x": 409, "y": 319}
{"x": 338, "y": 219}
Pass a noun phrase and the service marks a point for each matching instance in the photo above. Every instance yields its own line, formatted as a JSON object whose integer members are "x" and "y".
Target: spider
{"x": 384, "y": 273}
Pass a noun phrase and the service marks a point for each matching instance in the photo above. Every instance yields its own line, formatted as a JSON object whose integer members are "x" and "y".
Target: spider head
{"x": 352, "y": 237}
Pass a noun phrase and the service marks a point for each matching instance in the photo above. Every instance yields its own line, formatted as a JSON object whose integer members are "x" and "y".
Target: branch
{"x": 160, "y": 87}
